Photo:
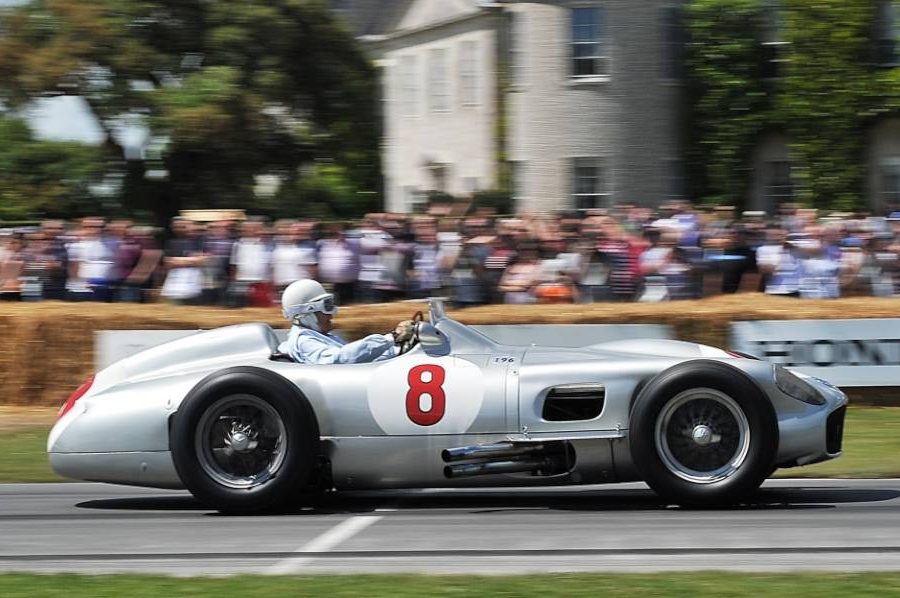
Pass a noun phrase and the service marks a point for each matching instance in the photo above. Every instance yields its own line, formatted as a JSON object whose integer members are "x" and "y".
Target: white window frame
{"x": 468, "y": 73}
{"x": 438, "y": 83}
{"x": 599, "y": 193}
{"x": 517, "y": 56}
{"x": 408, "y": 90}
{"x": 598, "y": 40}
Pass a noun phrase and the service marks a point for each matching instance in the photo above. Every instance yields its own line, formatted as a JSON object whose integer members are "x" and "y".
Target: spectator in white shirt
{"x": 293, "y": 257}
{"x": 339, "y": 264}
{"x": 90, "y": 264}
{"x": 251, "y": 262}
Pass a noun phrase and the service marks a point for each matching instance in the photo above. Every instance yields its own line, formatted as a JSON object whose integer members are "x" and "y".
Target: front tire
{"x": 245, "y": 440}
{"x": 703, "y": 434}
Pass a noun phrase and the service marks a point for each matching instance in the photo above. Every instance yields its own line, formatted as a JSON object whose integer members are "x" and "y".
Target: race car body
{"x": 244, "y": 429}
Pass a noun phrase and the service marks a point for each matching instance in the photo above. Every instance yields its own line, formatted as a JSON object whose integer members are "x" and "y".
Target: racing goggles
{"x": 324, "y": 304}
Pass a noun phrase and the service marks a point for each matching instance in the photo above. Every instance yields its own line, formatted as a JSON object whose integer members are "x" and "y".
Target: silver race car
{"x": 222, "y": 414}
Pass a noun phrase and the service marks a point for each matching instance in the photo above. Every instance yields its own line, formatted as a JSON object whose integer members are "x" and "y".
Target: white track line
{"x": 341, "y": 532}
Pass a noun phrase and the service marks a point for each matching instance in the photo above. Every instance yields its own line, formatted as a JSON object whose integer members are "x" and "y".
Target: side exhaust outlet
{"x": 507, "y": 457}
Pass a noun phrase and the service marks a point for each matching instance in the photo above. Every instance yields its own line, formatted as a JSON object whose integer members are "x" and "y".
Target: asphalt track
{"x": 846, "y": 525}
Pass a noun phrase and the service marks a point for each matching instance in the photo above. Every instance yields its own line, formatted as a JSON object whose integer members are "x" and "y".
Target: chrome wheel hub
{"x": 242, "y": 438}
{"x": 702, "y": 435}
{"x": 240, "y": 441}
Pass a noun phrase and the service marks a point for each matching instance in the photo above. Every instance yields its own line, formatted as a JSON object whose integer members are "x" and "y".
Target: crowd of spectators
{"x": 626, "y": 253}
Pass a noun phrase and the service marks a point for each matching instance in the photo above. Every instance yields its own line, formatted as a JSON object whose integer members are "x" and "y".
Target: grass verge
{"x": 23, "y": 456}
{"x": 871, "y": 447}
{"x": 677, "y": 584}
{"x": 871, "y": 450}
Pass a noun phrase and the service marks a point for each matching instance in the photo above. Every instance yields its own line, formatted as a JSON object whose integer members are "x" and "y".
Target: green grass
{"x": 678, "y": 584}
{"x": 871, "y": 447}
{"x": 23, "y": 457}
{"x": 871, "y": 450}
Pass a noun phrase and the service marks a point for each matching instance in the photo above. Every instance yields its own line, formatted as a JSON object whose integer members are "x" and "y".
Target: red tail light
{"x": 73, "y": 398}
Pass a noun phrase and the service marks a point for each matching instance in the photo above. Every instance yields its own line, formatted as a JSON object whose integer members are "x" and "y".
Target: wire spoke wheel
{"x": 702, "y": 435}
{"x": 240, "y": 441}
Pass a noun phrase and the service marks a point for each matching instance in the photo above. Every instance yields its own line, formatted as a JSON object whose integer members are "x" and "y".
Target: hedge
{"x": 49, "y": 348}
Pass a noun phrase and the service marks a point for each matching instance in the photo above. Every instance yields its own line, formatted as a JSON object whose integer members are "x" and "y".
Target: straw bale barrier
{"x": 49, "y": 347}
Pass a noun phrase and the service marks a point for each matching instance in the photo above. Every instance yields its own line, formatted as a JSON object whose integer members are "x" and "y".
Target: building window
{"x": 468, "y": 73}
{"x": 774, "y": 46}
{"x": 676, "y": 181}
{"x": 517, "y": 48}
{"x": 589, "y": 183}
{"x": 890, "y": 185}
{"x": 589, "y": 51}
{"x": 777, "y": 186}
{"x": 672, "y": 43}
{"x": 408, "y": 85}
{"x": 515, "y": 170}
{"x": 437, "y": 80}
{"x": 887, "y": 34}
{"x": 439, "y": 174}
{"x": 413, "y": 199}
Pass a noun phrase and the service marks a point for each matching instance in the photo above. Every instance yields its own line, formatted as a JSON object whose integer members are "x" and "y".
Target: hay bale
{"x": 49, "y": 348}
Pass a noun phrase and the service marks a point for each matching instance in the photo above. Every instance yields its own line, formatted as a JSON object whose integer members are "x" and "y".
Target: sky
{"x": 63, "y": 118}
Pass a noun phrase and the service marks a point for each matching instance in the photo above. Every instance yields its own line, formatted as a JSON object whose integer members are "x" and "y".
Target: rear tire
{"x": 702, "y": 433}
{"x": 245, "y": 440}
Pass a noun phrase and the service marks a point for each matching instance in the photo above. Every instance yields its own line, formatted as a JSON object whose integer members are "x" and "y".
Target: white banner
{"x": 844, "y": 352}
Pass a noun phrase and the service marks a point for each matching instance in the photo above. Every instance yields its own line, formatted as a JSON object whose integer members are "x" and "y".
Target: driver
{"x": 310, "y": 308}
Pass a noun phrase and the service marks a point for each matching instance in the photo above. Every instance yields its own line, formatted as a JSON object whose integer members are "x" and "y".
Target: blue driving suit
{"x": 309, "y": 346}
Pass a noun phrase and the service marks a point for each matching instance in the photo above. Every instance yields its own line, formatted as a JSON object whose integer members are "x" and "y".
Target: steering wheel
{"x": 408, "y": 346}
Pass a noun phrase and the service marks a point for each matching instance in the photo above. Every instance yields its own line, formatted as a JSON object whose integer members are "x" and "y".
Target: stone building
{"x": 576, "y": 102}
{"x": 571, "y": 104}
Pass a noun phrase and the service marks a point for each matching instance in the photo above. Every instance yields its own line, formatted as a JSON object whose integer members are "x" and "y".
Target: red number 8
{"x": 418, "y": 387}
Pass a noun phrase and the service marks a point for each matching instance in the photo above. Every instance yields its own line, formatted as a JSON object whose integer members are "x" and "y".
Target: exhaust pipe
{"x": 498, "y": 450}
{"x": 464, "y": 470}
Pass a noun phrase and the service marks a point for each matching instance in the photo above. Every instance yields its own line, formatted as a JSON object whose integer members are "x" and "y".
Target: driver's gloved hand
{"x": 404, "y": 331}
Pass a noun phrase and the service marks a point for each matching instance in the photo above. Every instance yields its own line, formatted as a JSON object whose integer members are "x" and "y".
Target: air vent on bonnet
{"x": 572, "y": 402}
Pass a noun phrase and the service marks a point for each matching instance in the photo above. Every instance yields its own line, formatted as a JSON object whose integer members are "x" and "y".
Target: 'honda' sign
{"x": 844, "y": 352}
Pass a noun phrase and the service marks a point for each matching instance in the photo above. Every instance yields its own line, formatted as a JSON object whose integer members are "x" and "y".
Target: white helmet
{"x": 304, "y": 298}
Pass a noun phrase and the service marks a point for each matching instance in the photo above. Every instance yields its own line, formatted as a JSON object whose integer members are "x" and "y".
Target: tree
{"x": 729, "y": 105}
{"x": 829, "y": 85}
{"x": 827, "y": 91}
{"x": 229, "y": 90}
{"x": 45, "y": 178}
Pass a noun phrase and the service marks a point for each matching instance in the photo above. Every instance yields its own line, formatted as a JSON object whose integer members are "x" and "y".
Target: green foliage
{"x": 325, "y": 191}
{"x": 44, "y": 178}
{"x": 826, "y": 94}
{"x": 229, "y": 90}
{"x": 729, "y": 104}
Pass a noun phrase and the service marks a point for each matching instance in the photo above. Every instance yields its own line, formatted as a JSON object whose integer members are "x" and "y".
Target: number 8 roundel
{"x": 425, "y": 395}
{"x": 418, "y": 386}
